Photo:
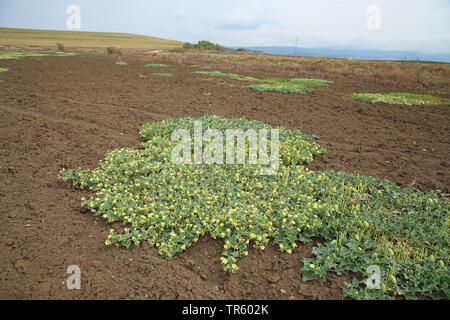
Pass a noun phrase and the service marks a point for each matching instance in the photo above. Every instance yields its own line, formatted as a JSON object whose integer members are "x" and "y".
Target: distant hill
{"x": 354, "y": 53}
{"x": 81, "y": 39}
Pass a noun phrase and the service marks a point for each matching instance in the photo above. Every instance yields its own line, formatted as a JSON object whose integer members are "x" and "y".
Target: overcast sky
{"x": 422, "y": 25}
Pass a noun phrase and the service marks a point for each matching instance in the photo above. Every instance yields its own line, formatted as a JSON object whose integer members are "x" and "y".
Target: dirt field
{"x": 67, "y": 112}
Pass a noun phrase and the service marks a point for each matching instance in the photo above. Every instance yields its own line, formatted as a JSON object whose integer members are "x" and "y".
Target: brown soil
{"x": 67, "y": 112}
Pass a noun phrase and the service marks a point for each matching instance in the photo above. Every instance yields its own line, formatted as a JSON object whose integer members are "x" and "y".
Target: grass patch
{"x": 281, "y": 88}
{"x": 400, "y": 98}
{"x": 162, "y": 74}
{"x": 4, "y": 69}
{"x": 17, "y": 55}
{"x": 121, "y": 63}
{"x": 227, "y": 75}
{"x": 362, "y": 222}
{"x": 156, "y": 65}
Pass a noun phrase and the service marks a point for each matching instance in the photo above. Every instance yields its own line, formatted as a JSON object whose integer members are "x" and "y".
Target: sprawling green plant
{"x": 361, "y": 221}
{"x": 282, "y": 88}
{"x": 156, "y": 65}
{"x": 311, "y": 82}
{"x": 4, "y": 69}
{"x": 121, "y": 63}
{"x": 272, "y": 84}
{"x": 162, "y": 74}
{"x": 227, "y": 75}
{"x": 400, "y": 98}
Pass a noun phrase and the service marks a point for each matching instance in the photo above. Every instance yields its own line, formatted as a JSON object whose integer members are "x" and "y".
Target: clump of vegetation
{"x": 408, "y": 99}
{"x": 203, "y": 45}
{"x": 156, "y": 65}
{"x": 241, "y": 49}
{"x": 362, "y": 222}
{"x": 162, "y": 74}
{"x": 227, "y": 75}
{"x": 299, "y": 82}
{"x": 281, "y": 88}
{"x": 310, "y": 82}
{"x": 272, "y": 84}
{"x": 4, "y": 69}
{"x": 121, "y": 63}
{"x": 17, "y": 55}
{"x": 113, "y": 50}
{"x": 60, "y": 46}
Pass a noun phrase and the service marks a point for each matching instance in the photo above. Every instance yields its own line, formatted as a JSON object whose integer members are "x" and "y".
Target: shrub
{"x": 203, "y": 45}
{"x": 60, "y": 46}
{"x": 188, "y": 45}
{"x": 112, "y": 50}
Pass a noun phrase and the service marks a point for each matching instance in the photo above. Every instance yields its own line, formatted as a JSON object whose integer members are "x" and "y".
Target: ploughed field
{"x": 64, "y": 112}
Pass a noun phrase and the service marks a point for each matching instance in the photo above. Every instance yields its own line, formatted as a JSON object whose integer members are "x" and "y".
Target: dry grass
{"x": 77, "y": 39}
{"x": 433, "y": 78}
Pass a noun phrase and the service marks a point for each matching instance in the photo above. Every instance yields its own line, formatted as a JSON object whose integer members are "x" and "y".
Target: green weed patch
{"x": 408, "y": 99}
{"x": 310, "y": 82}
{"x": 299, "y": 82}
{"x": 282, "y": 88}
{"x": 17, "y": 55}
{"x": 272, "y": 84}
{"x": 121, "y": 63}
{"x": 362, "y": 222}
{"x": 162, "y": 74}
{"x": 4, "y": 69}
{"x": 156, "y": 65}
{"x": 226, "y": 75}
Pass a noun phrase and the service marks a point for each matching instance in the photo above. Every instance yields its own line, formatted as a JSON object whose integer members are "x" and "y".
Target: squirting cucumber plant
{"x": 360, "y": 221}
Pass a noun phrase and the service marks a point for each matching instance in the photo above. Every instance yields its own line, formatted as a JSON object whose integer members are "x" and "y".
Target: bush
{"x": 203, "y": 45}
{"x": 60, "y": 46}
{"x": 112, "y": 50}
{"x": 188, "y": 45}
